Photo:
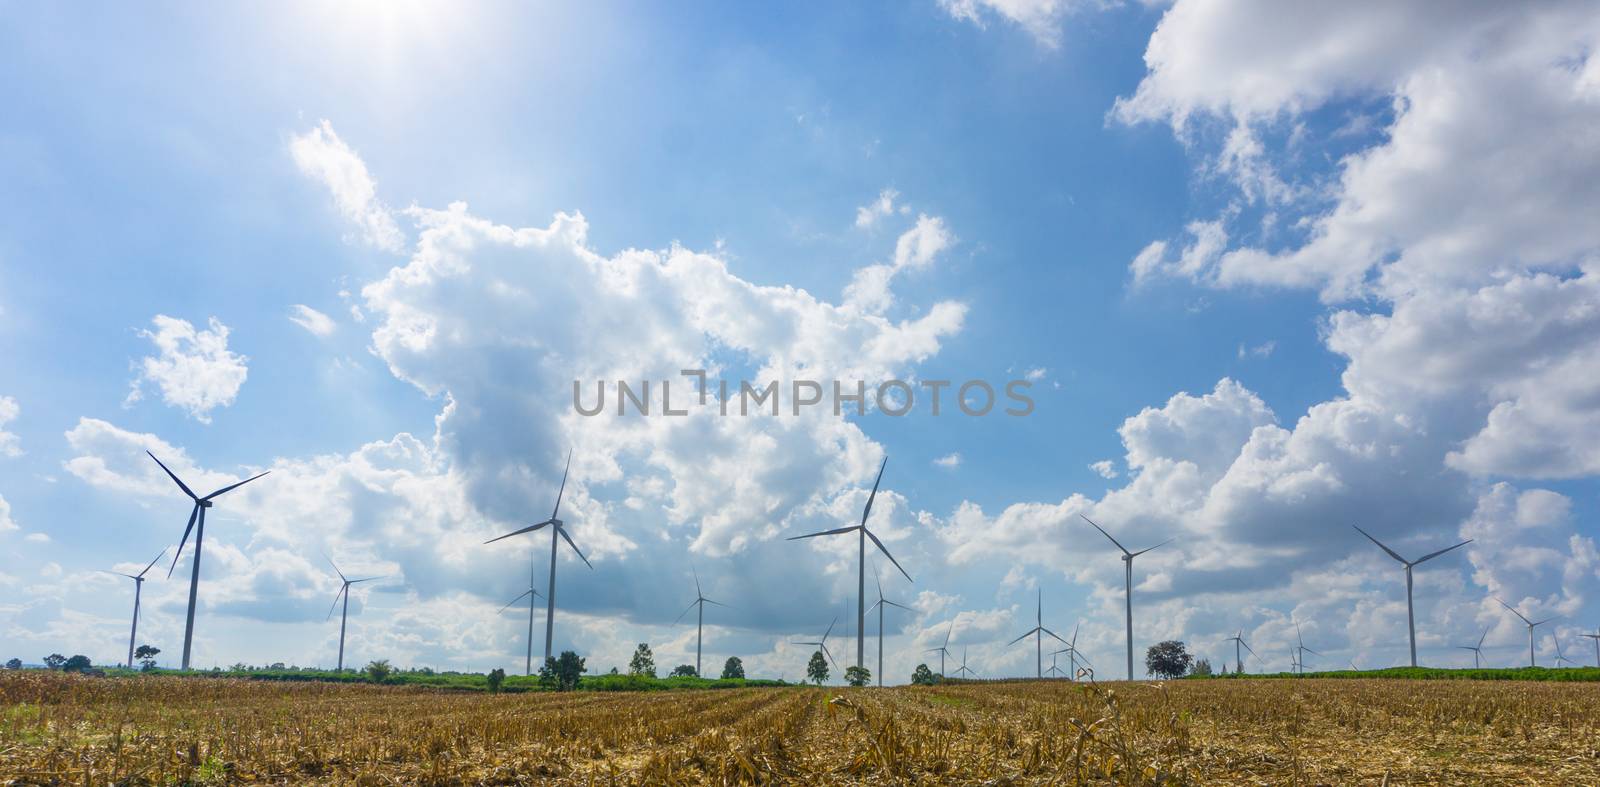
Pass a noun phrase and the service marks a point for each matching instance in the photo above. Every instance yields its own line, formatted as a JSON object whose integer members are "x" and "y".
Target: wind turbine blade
{"x": 563, "y": 489}
{"x": 697, "y": 591}
{"x": 1025, "y": 635}
{"x": 515, "y": 600}
{"x": 231, "y": 487}
{"x": 1514, "y": 611}
{"x": 174, "y": 478}
{"x": 342, "y": 590}
{"x": 116, "y": 573}
{"x": 1484, "y": 637}
{"x": 830, "y": 628}
{"x": 1104, "y": 533}
{"x": 152, "y": 563}
{"x": 568, "y": 539}
{"x": 528, "y": 529}
{"x": 1392, "y": 553}
{"x": 179, "y": 553}
{"x": 1248, "y": 648}
{"x": 875, "y": 605}
{"x": 948, "y": 632}
{"x": 886, "y": 552}
{"x": 685, "y": 610}
{"x": 1053, "y": 634}
{"x": 1432, "y": 555}
{"x": 1308, "y": 650}
{"x": 367, "y": 579}
{"x": 902, "y": 606}
{"x": 1157, "y": 546}
{"x": 874, "y": 495}
{"x": 336, "y": 570}
{"x": 833, "y": 532}
{"x": 1542, "y": 622}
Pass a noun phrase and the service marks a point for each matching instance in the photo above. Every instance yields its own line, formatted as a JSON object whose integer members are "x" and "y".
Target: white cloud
{"x": 916, "y": 248}
{"x": 37, "y": 538}
{"x": 322, "y": 155}
{"x": 1040, "y": 18}
{"x": 316, "y": 322}
{"x": 10, "y": 444}
{"x": 949, "y": 461}
{"x": 867, "y": 216}
{"x": 1035, "y": 374}
{"x": 1262, "y": 350}
{"x": 194, "y": 371}
{"x": 6, "y": 522}
{"x": 1105, "y": 468}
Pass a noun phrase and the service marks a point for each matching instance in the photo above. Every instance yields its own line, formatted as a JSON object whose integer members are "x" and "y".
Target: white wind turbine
{"x": 1038, "y": 632}
{"x": 879, "y": 605}
{"x": 1411, "y": 619}
{"x": 557, "y": 528}
{"x": 1073, "y": 653}
{"x": 1596, "y": 637}
{"x": 1300, "y": 645}
{"x": 861, "y": 576}
{"x": 1531, "y": 625}
{"x": 943, "y": 650}
{"x": 1127, "y": 564}
{"x": 963, "y": 668}
{"x": 1238, "y": 655}
{"x": 198, "y": 512}
{"x": 532, "y": 595}
{"x": 822, "y": 644}
{"x": 1477, "y": 650}
{"x": 344, "y": 592}
{"x": 138, "y": 588}
{"x": 1560, "y": 655}
{"x": 700, "y": 601}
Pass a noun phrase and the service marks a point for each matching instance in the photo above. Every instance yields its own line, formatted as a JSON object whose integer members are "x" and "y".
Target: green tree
{"x": 77, "y": 663}
{"x": 1201, "y": 668}
{"x": 643, "y": 661}
{"x": 146, "y": 654}
{"x": 857, "y": 676}
{"x": 55, "y": 660}
{"x": 683, "y": 671}
{"x": 817, "y": 669}
{"x": 1167, "y": 659}
{"x": 497, "y": 677}
{"x": 922, "y": 676}
{"x": 733, "y": 668}
{"x": 562, "y": 674}
{"x": 378, "y": 671}
{"x": 14, "y": 664}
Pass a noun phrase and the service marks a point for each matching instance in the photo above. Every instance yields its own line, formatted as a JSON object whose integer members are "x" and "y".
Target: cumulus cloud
{"x": 869, "y": 290}
{"x": 194, "y": 370}
{"x": 7, "y": 524}
{"x": 867, "y": 216}
{"x": 322, "y": 155}
{"x": 1105, "y": 468}
{"x": 1040, "y": 18}
{"x": 10, "y": 444}
{"x": 949, "y": 461}
{"x": 316, "y": 322}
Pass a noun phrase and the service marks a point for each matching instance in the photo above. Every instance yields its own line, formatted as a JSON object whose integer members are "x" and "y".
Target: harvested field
{"x": 162, "y": 730}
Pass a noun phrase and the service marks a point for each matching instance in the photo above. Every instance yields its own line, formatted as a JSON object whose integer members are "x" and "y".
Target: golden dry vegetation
{"x": 162, "y": 730}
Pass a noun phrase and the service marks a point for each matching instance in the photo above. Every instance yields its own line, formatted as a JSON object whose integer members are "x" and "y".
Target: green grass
{"x": 1435, "y": 673}
{"x": 463, "y": 681}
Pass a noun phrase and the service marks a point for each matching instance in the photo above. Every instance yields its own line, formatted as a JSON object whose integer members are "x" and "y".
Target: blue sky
{"x": 1261, "y": 267}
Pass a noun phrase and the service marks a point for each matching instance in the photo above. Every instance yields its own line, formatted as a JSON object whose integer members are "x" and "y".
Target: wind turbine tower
{"x": 1531, "y": 625}
{"x": 1038, "y": 631}
{"x": 1411, "y": 618}
{"x": 700, "y": 601}
{"x": 138, "y": 587}
{"x": 557, "y": 528}
{"x": 1127, "y": 564}
{"x": 344, "y": 591}
{"x": 879, "y": 605}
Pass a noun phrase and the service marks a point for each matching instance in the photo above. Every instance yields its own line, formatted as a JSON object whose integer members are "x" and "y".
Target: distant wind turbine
{"x": 1072, "y": 652}
{"x": 1301, "y": 646}
{"x": 1561, "y": 656}
{"x": 1127, "y": 564}
{"x": 700, "y": 601}
{"x": 1238, "y": 655}
{"x": 822, "y": 644}
{"x": 1038, "y": 631}
{"x": 199, "y": 512}
{"x": 532, "y": 596}
{"x": 1531, "y": 624}
{"x": 879, "y": 605}
{"x": 1055, "y": 671}
{"x": 1477, "y": 650}
{"x": 557, "y": 528}
{"x": 963, "y": 668}
{"x": 344, "y": 591}
{"x": 138, "y": 587}
{"x": 861, "y": 575}
{"x": 1596, "y": 637}
{"x": 944, "y": 649}
{"x": 1411, "y": 620}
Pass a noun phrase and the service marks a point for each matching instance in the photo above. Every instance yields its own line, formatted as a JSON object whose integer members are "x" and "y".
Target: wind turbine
{"x": 822, "y": 644}
{"x": 1072, "y": 653}
{"x": 879, "y": 605}
{"x": 700, "y": 601}
{"x": 1038, "y": 631}
{"x": 1560, "y": 656}
{"x": 1477, "y": 650}
{"x": 1411, "y": 620}
{"x": 1238, "y": 642}
{"x": 138, "y": 586}
{"x": 344, "y": 590}
{"x": 1531, "y": 624}
{"x": 861, "y": 575}
{"x": 533, "y": 601}
{"x": 557, "y": 528}
{"x": 1054, "y": 671}
{"x": 199, "y": 512}
{"x": 1596, "y": 637}
{"x": 1127, "y": 564}
{"x": 1301, "y": 646}
{"x": 963, "y": 667}
{"x": 944, "y": 649}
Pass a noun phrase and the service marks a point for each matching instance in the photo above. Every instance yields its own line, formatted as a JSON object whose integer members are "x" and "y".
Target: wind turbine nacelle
{"x": 203, "y": 503}
{"x": 557, "y": 523}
